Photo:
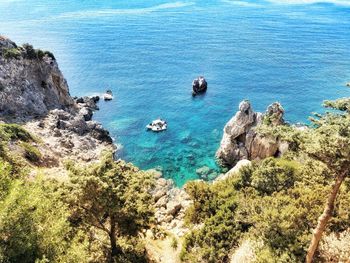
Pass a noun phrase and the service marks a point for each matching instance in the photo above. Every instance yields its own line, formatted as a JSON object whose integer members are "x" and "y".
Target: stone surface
{"x": 31, "y": 86}
{"x": 240, "y": 139}
{"x": 233, "y": 170}
{"x": 35, "y": 94}
{"x": 199, "y": 85}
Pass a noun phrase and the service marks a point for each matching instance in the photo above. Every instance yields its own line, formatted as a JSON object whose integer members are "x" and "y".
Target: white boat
{"x": 107, "y": 96}
{"x": 157, "y": 125}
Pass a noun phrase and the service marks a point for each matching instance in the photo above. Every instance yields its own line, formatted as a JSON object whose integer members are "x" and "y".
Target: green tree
{"x": 329, "y": 142}
{"x": 113, "y": 197}
{"x": 34, "y": 225}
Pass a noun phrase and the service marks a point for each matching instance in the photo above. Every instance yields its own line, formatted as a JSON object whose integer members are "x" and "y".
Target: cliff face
{"x": 34, "y": 93}
{"x": 31, "y": 83}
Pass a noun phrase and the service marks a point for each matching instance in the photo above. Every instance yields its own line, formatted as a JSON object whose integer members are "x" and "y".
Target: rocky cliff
{"x": 240, "y": 139}
{"x": 34, "y": 93}
{"x": 30, "y": 81}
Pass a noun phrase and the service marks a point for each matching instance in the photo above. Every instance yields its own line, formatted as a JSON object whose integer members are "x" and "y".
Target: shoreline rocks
{"x": 240, "y": 139}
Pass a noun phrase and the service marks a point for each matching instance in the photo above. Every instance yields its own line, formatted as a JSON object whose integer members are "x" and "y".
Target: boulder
{"x": 88, "y": 102}
{"x": 162, "y": 202}
{"x": 233, "y": 170}
{"x": 232, "y": 146}
{"x": 274, "y": 114}
{"x": 157, "y": 195}
{"x": 86, "y": 113}
{"x": 199, "y": 85}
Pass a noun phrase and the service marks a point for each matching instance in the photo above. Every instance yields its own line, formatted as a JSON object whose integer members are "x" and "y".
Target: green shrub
{"x": 50, "y": 55}
{"x": 31, "y": 153}
{"x": 14, "y": 132}
{"x": 30, "y": 51}
{"x": 10, "y": 53}
{"x": 174, "y": 243}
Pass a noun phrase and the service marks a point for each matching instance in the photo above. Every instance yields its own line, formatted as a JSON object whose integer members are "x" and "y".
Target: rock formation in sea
{"x": 199, "y": 85}
{"x": 240, "y": 139}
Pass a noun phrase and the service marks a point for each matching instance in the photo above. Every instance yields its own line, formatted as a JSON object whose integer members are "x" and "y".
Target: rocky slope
{"x": 240, "y": 139}
{"x": 34, "y": 93}
{"x": 31, "y": 83}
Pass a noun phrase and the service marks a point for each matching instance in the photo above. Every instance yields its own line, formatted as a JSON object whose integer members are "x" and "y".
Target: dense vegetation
{"x": 26, "y": 51}
{"x": 96, "y": 216}
{"x": 282, "y": 206}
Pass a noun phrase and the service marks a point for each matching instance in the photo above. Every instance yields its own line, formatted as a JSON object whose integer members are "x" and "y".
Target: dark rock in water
{"x": 199, "y": 85}
{"x": 95, "y": 98}
{"x": 80, "y": 100}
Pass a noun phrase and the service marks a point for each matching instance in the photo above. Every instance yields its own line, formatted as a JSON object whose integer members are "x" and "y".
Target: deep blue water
{"x": 148, "y": 52}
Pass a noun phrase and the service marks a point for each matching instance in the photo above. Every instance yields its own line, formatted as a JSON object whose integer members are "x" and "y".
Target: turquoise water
{"x": 148, "y": 52}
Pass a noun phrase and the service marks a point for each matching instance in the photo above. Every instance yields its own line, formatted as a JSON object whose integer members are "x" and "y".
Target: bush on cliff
{"x": 34, "y": 223}
{"x": 11, "y": 53}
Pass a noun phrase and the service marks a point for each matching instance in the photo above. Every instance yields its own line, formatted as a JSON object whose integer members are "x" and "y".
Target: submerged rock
{"x": 199, "y": 85}
{"x": 240, "y": 139}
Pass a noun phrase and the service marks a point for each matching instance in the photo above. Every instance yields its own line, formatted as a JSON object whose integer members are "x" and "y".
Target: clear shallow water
{"x": 148, "y": 52}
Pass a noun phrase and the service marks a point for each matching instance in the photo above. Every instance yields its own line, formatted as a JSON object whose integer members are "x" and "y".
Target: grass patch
{"x": 10, "y": 132}
{"x": 10, "y": 53}
{"x": 31, "y": 153}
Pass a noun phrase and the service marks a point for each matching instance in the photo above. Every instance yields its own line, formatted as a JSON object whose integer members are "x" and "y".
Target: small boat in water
{"x": 108, "y": 95}
{"x": 157, "y": 125}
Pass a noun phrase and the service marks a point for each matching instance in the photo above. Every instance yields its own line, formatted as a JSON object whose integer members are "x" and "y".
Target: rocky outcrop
{"x": 199, "y": 85}
{"x": 240, "y": 139}
{"x": 34, "y": 93}
{"x": 30, "y": 82}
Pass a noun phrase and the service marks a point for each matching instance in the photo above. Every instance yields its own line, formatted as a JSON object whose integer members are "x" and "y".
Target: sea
{"x": 148, "y": 52}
